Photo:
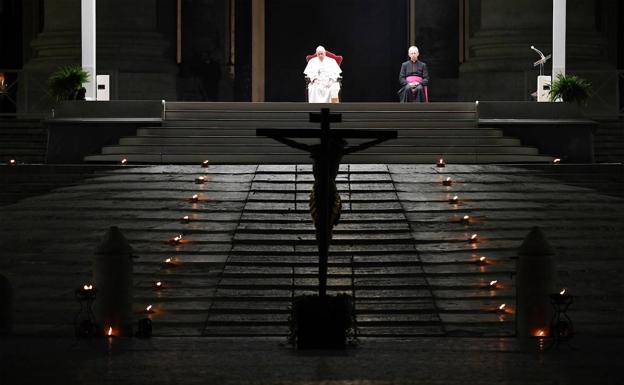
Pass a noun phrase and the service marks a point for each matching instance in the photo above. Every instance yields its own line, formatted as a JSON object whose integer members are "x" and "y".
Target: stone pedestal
{"x": 500, "y": 61}
{"x": 129, "y": 48}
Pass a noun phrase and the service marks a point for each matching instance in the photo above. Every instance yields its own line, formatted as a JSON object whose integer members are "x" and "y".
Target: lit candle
{"x": 200, "y": 180}
{"x": 12, "y": 162}
{"x": 562, "y": 292}
{"x": 123, "y": 162}
{"x": 158, "y": 285}
{"x": 86, "y": 292}
{"x": 149, "y": 310}
{"x": 493, "y": 284}
{"x": 171, "y": 262}
{"x": 539, "y": 333}
{"x": 109, "y": 332}
{"x": 454, "y": 200}
{"x": 447, "y": 182}
{"x": 186, "y": 219}
{"x": 194, "y": 198}
{"x": 465, "y": 219}
{"x": 482, "y": 261}
{"x": 474, "y": 238}
{"x": 205, "y": 163}
{"x": 176, "y": 240}
{"x": 502, "y": 308}
{"x": 441, "y": 163}
{"x": 556, "y": 161}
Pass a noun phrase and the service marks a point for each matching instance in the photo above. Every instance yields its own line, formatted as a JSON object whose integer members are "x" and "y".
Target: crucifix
{"x": 325, "y": 203}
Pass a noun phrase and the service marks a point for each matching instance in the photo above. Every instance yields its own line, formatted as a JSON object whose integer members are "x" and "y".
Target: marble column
{"x": 129, "y": 48}
{"x": 500, "y": 62}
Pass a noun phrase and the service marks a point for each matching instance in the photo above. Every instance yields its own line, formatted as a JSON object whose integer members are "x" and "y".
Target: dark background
{"x": 369, "y": 34}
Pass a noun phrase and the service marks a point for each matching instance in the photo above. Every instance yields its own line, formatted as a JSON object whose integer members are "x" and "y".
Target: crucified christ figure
{"x": 338, "y": 148}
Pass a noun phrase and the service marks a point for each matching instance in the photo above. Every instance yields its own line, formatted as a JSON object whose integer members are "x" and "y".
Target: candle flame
{"x": 186, "y": 218}
{"x": 159, "y": 284}
{"x": 200, "y": 179}
{"x": 502, "y": 307}
{"x": 493, "y": 283}
{"x": 168, "y": 260}
{"x": 110, "y": 331}
{"x": 195, "y": 197}
{"x": 205, "y": 163}
{"x": 455, "y": 198}
{"x": 448, "y": 179}
{"x": 540, "y": 333}
{"x": 88, "y": 287}
{"x": 473, "y": 238}
{"x": 562, "y": 292}
{"x": 557, "y": 160}
{"x": 441, "y": 161}
{"x": 482, "y": 259}
{"x": 12, "y": 162}
{"x": 148, "y": 308}
{"x": 466, "y": 218}
{"x": 124, "y": 161}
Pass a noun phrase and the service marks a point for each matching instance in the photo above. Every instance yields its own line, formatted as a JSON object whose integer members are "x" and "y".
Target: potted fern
{"x": 66, "y": 83}
{"x": 570, "y": 88}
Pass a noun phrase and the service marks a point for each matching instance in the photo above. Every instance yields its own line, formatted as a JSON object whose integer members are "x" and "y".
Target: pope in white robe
{"x": 323, "y": 73}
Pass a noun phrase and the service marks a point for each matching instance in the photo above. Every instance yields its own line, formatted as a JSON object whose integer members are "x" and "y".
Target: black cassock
{"x": 408, "y": 93}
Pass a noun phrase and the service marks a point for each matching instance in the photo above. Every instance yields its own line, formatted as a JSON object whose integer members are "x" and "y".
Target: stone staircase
{"x": 22, "y": 140}
{"x": 249, "y": 245}
{"x": 225, "y": 133}
{"x": 609, "y": 142}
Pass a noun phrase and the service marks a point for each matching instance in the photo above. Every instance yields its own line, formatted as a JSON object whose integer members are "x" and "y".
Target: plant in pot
{"x": 570, "y": 88}
{"x": 66, "y": 83}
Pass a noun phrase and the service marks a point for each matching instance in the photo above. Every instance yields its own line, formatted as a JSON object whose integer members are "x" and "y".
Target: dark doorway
{"x": 370, "y": 34}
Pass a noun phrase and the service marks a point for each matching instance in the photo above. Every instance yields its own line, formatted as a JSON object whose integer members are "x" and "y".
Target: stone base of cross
{"x": 326, "y": 161}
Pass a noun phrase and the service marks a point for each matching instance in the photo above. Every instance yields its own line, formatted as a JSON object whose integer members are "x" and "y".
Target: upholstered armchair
{"x": 337, "y": 58}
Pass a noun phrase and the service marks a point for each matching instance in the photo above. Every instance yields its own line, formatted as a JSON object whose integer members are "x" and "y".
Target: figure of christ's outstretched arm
{"x": 292, "y": 143}
{"x": 363, "y": 146}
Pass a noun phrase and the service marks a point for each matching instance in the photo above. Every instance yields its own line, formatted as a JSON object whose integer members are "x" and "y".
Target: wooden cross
{"x": 323, "y": 162}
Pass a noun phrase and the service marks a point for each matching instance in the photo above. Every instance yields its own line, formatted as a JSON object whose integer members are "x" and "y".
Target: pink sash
{"x": 414, "y": 78}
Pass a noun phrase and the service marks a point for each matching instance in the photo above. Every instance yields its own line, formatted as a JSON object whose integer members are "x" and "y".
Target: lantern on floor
{"x": 535, "y": 271}
{"x": 113, "y": 278}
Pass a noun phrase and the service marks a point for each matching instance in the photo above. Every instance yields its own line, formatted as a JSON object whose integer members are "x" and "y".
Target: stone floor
{"x": 222, "y": 361}
{"x": 249, "y": 247}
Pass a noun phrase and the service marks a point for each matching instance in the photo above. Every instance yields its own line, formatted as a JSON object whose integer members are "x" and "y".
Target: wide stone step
{"x": 340, "y": 107}
{"x": 216, "y": 115}
{"x": 281, "y": 158}
{"x": 229, "y": 149}
{"x": 298, "y": 123}
{"x": 230, "y": 139}
{"x": 212, "y": 130}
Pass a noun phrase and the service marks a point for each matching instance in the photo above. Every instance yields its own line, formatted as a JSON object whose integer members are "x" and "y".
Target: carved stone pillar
{"x": 128, "y": 48}
{"x": 500, "y": 62}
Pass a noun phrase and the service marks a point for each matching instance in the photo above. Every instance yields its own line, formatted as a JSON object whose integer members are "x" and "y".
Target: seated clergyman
{"x": 323, "y": 73}
{"x": 414, "y": 77}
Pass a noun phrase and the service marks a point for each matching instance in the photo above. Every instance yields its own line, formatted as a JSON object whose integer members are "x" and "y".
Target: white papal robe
{"x": 323, "y": 75}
